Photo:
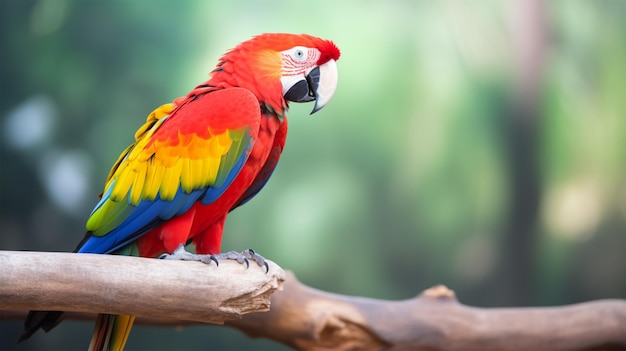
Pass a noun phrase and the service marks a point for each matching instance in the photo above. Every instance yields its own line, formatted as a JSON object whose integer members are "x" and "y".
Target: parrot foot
{"x": 243, "y": 257}
{"x": 183, "y": 255}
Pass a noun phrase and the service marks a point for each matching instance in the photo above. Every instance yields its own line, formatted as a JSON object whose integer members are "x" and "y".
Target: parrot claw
{"x": 243, "y": 257}
{"x": 181, "y": 254}
{"x": 260, "y": 260}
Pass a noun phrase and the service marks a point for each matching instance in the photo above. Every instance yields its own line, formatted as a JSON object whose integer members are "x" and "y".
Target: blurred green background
{"x": 481, "y": 146}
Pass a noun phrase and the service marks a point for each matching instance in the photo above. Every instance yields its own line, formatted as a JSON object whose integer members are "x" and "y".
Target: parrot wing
{"x": 180, "y": 156}
{"x": 261, "y": 179}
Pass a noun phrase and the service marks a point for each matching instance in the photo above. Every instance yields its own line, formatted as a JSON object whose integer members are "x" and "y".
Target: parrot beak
{"x": 319, "y": 85}
{"x": 323, "y": 80}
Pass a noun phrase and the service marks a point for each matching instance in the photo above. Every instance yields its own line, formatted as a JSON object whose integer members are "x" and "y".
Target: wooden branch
{"x": 309, "y": 319}
{"x": 132, "y": 285}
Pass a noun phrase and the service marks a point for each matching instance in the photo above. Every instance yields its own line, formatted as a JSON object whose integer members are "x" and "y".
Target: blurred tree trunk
{"x": 528, "y": 37}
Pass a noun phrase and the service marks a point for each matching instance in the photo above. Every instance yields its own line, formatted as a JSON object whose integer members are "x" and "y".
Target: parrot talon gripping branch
{"x": 183, "y": 255}
{"x": 200, "y": 157}
{"x": 243, "y": 257}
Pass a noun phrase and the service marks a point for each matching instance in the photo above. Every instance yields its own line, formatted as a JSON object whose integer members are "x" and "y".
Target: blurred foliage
{"x": 403, "y": 181}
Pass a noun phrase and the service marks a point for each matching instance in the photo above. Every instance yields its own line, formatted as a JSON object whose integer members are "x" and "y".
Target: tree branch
{"x": 132, "y": 285}
{"x": 310, "y": 319}
{"x": 301, "y": 317}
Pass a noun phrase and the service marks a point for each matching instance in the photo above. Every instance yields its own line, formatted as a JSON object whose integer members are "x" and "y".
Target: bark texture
{"x": 50, "y": 281}
{"x": 159, "y": 293}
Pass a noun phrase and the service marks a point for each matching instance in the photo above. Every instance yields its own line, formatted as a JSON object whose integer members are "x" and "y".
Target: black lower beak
{"x": 319, "y": 85}
{"x": 304, "y": 90}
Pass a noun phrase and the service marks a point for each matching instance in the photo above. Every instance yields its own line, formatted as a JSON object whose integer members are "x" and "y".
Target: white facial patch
{"x": 299, "y": 60}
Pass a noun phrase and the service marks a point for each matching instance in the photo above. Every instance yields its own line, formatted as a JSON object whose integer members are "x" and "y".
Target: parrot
{"x": 200, "y": 157}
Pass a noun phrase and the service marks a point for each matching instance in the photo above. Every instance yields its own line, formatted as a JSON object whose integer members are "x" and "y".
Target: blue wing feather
{"x": 114, "y": 224}
{"x": 149, "y": 213}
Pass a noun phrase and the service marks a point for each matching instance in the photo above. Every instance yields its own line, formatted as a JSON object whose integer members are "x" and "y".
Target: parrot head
{"x": 279, "y": 68}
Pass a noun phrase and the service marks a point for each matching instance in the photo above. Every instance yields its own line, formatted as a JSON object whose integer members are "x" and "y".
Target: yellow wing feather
{"x": 182, "y": 156}
{"x": 191, "y": 162}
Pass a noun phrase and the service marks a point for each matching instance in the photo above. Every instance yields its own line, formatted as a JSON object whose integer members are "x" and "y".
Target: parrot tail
{"x": 111, "y": 332}
{"x": 45, "y": 320}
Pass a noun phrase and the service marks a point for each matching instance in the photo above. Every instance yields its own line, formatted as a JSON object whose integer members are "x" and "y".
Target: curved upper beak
{"x": 319, "y": 85}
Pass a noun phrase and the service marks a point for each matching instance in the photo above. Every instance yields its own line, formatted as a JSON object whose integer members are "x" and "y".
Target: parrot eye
{"x": 299, "y": 54}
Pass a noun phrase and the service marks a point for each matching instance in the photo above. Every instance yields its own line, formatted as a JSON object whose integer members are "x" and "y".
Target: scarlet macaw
{"x": 201, "y": 156}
